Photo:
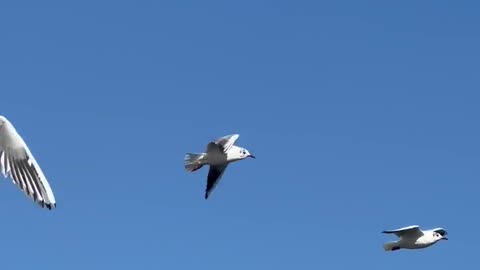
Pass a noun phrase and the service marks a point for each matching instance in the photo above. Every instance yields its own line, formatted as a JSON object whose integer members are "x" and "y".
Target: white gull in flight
{"x": 412, "y": 237}
{"x": 218, "y": 155}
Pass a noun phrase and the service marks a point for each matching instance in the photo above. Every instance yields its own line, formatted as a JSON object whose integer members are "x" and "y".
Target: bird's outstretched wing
{"x": 18, "y": 163}
{"x": 409, "y": 231}
{"x": 226, "y": 142}
{"x": 214, "y": 176}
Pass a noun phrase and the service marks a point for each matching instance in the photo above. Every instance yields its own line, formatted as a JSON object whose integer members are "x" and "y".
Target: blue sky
{"x": 362, "y": 116}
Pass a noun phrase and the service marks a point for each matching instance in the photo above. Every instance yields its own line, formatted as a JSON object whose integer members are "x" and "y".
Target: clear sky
{"x": 363, "y": 117}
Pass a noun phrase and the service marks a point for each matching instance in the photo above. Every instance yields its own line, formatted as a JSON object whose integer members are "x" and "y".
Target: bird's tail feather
{"x": 194, "y": 161}
{"x": 391, "y": 246}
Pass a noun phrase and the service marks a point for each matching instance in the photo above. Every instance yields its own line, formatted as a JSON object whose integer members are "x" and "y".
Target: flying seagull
{"x": 218, "y": 155}
{"x": 18, "y": 163}
{"x": 412, "y": 237}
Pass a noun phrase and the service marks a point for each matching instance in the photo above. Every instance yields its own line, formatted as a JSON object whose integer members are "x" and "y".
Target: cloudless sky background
{"x": 363, "y": 116}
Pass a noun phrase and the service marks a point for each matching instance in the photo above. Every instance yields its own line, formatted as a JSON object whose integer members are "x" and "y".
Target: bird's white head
{"x": 239, "y": 153}
{"x": 438, "y": 236}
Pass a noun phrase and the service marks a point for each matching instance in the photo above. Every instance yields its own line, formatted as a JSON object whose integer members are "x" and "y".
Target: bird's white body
{"x": 218, "y": 155}
{"x": 415, "y": 243}
{"x": 214, "y": 157}
{"x": 412, "y": 237}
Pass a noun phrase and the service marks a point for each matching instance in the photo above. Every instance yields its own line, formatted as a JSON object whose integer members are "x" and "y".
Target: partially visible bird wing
{"x": 441, "y": 231}
{"x": 18, "y": 163}
{"x": 226, "y": 142}
{"x": 214, "y": 176}
{"x": 409, "y": 231}
{"x": 213, "y": 147}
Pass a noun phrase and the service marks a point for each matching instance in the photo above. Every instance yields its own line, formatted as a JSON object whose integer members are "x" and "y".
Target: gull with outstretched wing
{"x": 412, "y": 237}
{"x": 219, "y": 154}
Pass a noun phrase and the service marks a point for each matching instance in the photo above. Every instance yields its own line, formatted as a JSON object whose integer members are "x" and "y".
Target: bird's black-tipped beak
{"x": 444, "y": 238}
{"x": 252, "y": 156}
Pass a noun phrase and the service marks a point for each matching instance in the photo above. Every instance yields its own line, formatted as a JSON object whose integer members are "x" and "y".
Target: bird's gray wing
{"x": 441, "y": 231}
{"x": 227, "y": 141}
{"x": 213, "y": 147}
{"x": 18, "y": 163}
{"x": 215, "y": 174}
{"x": 409, "y": 231}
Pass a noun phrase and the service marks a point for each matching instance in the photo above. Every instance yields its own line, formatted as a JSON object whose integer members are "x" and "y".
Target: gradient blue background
{"x": 363, "y": 117}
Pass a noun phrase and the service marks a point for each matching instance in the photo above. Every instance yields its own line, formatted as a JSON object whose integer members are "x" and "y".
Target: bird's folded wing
{"x": 18, "y": 163}
{"x": 413, "y": 230}
{"x": 214, "y": 176}
{"x": 226, "y": 142}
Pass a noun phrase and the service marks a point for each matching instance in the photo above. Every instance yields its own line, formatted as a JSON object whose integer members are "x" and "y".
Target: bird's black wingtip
{"x": 49, "y": 206}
